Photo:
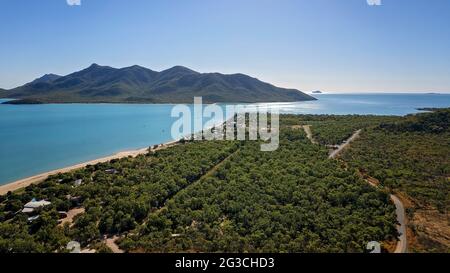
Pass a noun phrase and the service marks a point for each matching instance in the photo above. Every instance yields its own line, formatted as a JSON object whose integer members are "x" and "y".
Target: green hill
{"x": 136, "y": 84}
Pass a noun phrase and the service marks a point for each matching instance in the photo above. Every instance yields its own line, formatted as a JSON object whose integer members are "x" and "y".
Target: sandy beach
{"x": 22, "y": 183}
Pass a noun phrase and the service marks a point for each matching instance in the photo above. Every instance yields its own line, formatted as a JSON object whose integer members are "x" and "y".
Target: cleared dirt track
{"x": 402, "y": 245}
{"x": 341, "y": 147}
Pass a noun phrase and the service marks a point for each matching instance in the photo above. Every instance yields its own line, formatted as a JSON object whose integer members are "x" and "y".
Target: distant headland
{"x": 136, "y": 84}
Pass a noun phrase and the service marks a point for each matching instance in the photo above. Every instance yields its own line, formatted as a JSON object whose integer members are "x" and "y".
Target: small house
{"x": 111, "y": 171}
{"x": 78, "y": 182}
{"x": 75, "y": 200}
{"x": 33, "y": 205}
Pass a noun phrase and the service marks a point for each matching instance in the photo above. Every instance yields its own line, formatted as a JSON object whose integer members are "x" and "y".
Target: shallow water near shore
{"x": 40, "y": 138}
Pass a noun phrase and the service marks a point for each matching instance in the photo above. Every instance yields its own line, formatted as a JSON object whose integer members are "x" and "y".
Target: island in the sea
{"x": 136, "y": 84}
{"x": 317, "y": 92}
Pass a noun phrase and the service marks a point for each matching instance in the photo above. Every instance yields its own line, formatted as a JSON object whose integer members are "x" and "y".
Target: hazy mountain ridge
{"x": 46, "y": 78}
{"x": 139, "y": 84}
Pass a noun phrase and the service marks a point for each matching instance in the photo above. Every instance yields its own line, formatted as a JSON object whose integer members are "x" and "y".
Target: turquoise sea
{"x": 40, "y": 138}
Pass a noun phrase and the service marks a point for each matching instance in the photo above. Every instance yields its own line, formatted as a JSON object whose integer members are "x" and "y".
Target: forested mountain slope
{"x": 136, "y": 84}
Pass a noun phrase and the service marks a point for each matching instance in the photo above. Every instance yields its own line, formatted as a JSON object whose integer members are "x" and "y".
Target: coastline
{"x": 25, "y": 182}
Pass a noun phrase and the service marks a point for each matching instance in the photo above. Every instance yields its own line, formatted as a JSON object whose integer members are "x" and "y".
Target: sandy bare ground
{"x": 432, "y": 224}
{"x": 297, "y": 126}
{"x": 309, "y": 134}
{"x": 88, "y": 251}
{"x": 111, "y": 243}
{"x": 4, "y": 189}
{"x": 70, "y": 215}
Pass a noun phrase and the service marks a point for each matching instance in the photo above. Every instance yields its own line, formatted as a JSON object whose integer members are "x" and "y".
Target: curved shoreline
{"x": 25, "y": 182}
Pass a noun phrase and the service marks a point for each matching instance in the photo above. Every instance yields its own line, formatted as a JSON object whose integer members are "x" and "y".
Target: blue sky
{"x": 330, "y": 45}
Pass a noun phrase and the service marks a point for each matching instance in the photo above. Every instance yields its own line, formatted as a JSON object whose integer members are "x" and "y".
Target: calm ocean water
{"x": 40, "y": 138}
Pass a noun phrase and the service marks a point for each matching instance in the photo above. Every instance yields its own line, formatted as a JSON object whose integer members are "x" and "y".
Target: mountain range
{"x": 137, "y": 84}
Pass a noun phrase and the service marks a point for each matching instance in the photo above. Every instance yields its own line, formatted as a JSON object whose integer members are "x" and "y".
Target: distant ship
{"x": 317, "y": 92}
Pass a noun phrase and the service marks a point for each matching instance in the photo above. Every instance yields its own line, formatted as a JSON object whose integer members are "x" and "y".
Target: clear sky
{"x": 329, "y": 45}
